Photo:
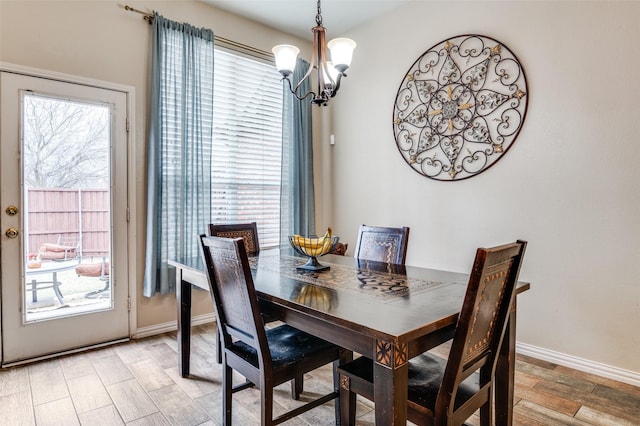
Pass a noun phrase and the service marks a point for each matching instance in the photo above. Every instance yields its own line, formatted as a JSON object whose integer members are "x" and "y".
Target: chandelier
{"x": 328, "y": 73}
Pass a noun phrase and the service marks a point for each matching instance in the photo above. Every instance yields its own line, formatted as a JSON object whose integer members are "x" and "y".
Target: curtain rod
{"x": 147, "y": 16}
{"x": 223, "y": 41}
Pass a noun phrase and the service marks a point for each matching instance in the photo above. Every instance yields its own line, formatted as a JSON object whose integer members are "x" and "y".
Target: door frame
{"x": 129, "y": 91}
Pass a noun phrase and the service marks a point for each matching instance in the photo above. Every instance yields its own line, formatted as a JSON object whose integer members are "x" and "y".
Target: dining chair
{"x": 448, "y": 392}
{"x": 65, "y": 248}
{"x": 247, "y": 231}
{"x": 265, "y": 357}
{"x": 249, "y": 234}
{"x": 382, "y": 244}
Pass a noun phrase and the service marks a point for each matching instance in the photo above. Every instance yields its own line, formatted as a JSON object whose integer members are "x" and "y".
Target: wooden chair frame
{"x": 246, "y": 343}
{"x": 395, "y": 238}
{"x": 247, "y": 231}
{"x": 473, "y": 356}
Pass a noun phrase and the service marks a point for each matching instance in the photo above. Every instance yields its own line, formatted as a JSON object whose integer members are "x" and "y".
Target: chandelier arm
{"x": 307, "y": 75}
{"x": 295, "y": 91}
{"x": 337, "y": 86}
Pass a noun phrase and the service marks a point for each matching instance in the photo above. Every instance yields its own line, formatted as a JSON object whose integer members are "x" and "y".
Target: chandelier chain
{"x": 319, "y": 15}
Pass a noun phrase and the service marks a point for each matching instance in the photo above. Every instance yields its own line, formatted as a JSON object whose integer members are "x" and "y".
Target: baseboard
{"x": 166, "y": 327}
{"x": 581, "y": 364}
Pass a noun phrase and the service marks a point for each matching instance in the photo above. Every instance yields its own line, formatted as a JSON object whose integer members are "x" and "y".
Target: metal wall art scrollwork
{"x": 460, "y": 107}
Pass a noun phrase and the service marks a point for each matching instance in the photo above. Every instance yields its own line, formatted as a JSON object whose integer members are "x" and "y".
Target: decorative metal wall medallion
{"x": 460, "y": 107}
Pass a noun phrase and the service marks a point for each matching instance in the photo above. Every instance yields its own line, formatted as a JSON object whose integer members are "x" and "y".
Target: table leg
{"x": 183, "y": 299}
{"x": 390, "y": 371}
{"x": 56, "y": 287}
{"x": 505, "y": 372}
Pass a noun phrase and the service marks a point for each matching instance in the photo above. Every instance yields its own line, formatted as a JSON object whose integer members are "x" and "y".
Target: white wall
{"x": 569, "y": 184}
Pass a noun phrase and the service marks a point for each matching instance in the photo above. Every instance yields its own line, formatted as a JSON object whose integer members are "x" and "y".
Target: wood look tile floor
{"x": 137, "y": 383}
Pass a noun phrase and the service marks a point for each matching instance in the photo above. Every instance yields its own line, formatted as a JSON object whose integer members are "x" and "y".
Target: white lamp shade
{"x": 333, "y": 72}
{"x": 285, "y": 55}
{"x": 341, "y": 51}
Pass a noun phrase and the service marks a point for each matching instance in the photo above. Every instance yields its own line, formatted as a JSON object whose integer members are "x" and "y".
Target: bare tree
{"x": 66, "y": 143}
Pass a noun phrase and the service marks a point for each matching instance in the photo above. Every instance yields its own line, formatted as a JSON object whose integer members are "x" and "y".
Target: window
{"x": 247, "y": 143}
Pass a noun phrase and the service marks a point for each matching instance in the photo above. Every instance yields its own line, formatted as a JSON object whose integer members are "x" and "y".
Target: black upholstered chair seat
{"x": 287, "y": 345}
{"x": 426, "y": 372}
{"x": 425, "y": 376}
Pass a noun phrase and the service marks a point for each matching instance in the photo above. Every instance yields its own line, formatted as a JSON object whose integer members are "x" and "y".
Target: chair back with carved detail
{"x": 249, "y": 234}
{"x": 247, "y": 231}
{"x": 481, "y": 325}
{"x": 232, "y": 286}
{"x": 448, "y": 391}
{"x": 265, "y": 357}
{"x": 382, "y": 244}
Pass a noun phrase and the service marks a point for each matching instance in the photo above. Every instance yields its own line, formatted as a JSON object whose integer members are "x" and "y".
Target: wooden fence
{"x": 77, "y": 216}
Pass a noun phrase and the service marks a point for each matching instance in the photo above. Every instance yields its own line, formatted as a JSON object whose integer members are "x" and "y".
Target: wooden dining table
{"x": 389, "y": 313}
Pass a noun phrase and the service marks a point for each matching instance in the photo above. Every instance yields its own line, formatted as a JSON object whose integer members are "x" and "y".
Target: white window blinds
{"x": 247, "y": 144}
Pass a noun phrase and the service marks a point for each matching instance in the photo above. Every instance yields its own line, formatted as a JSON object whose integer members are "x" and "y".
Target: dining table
{"x": 389, "y": 313}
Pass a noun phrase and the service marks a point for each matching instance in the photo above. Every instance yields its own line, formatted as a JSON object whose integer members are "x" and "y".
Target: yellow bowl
{"x": 312, "y": 246}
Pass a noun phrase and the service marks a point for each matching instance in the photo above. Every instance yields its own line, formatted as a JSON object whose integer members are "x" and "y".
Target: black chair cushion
{"x": 425, "y": 377}
{"x": 287, "y": 345}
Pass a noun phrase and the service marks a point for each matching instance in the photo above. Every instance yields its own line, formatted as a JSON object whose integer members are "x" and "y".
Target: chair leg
{"x": 297, "y": 386}
{"x": 347, "y": 403}
{"x": 485, "y": 415}
{"x": 227, "y": 381}
{"x": 218, "y": 347}
{"x": 345, "y": 406}
{"x": 97, "y": 293}
{"x": 58, "y": 293}
{"x": 266, "y": 404}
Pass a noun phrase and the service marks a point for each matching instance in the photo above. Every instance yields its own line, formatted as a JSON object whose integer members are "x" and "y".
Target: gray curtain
{"x": 297, "y": 198}
{"x": 179, "y": 148}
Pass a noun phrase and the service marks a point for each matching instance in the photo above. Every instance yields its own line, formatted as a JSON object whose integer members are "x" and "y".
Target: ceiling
{"x": 298, "y": 16}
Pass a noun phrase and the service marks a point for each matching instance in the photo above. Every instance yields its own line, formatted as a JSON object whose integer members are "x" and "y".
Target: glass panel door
{"x": 63, "y": 192}
{"x": 66, "y": 176}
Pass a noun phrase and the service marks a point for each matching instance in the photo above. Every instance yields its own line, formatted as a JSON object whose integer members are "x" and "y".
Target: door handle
{"x": 11, "y": 232}
{"x": 12, "y": 210}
